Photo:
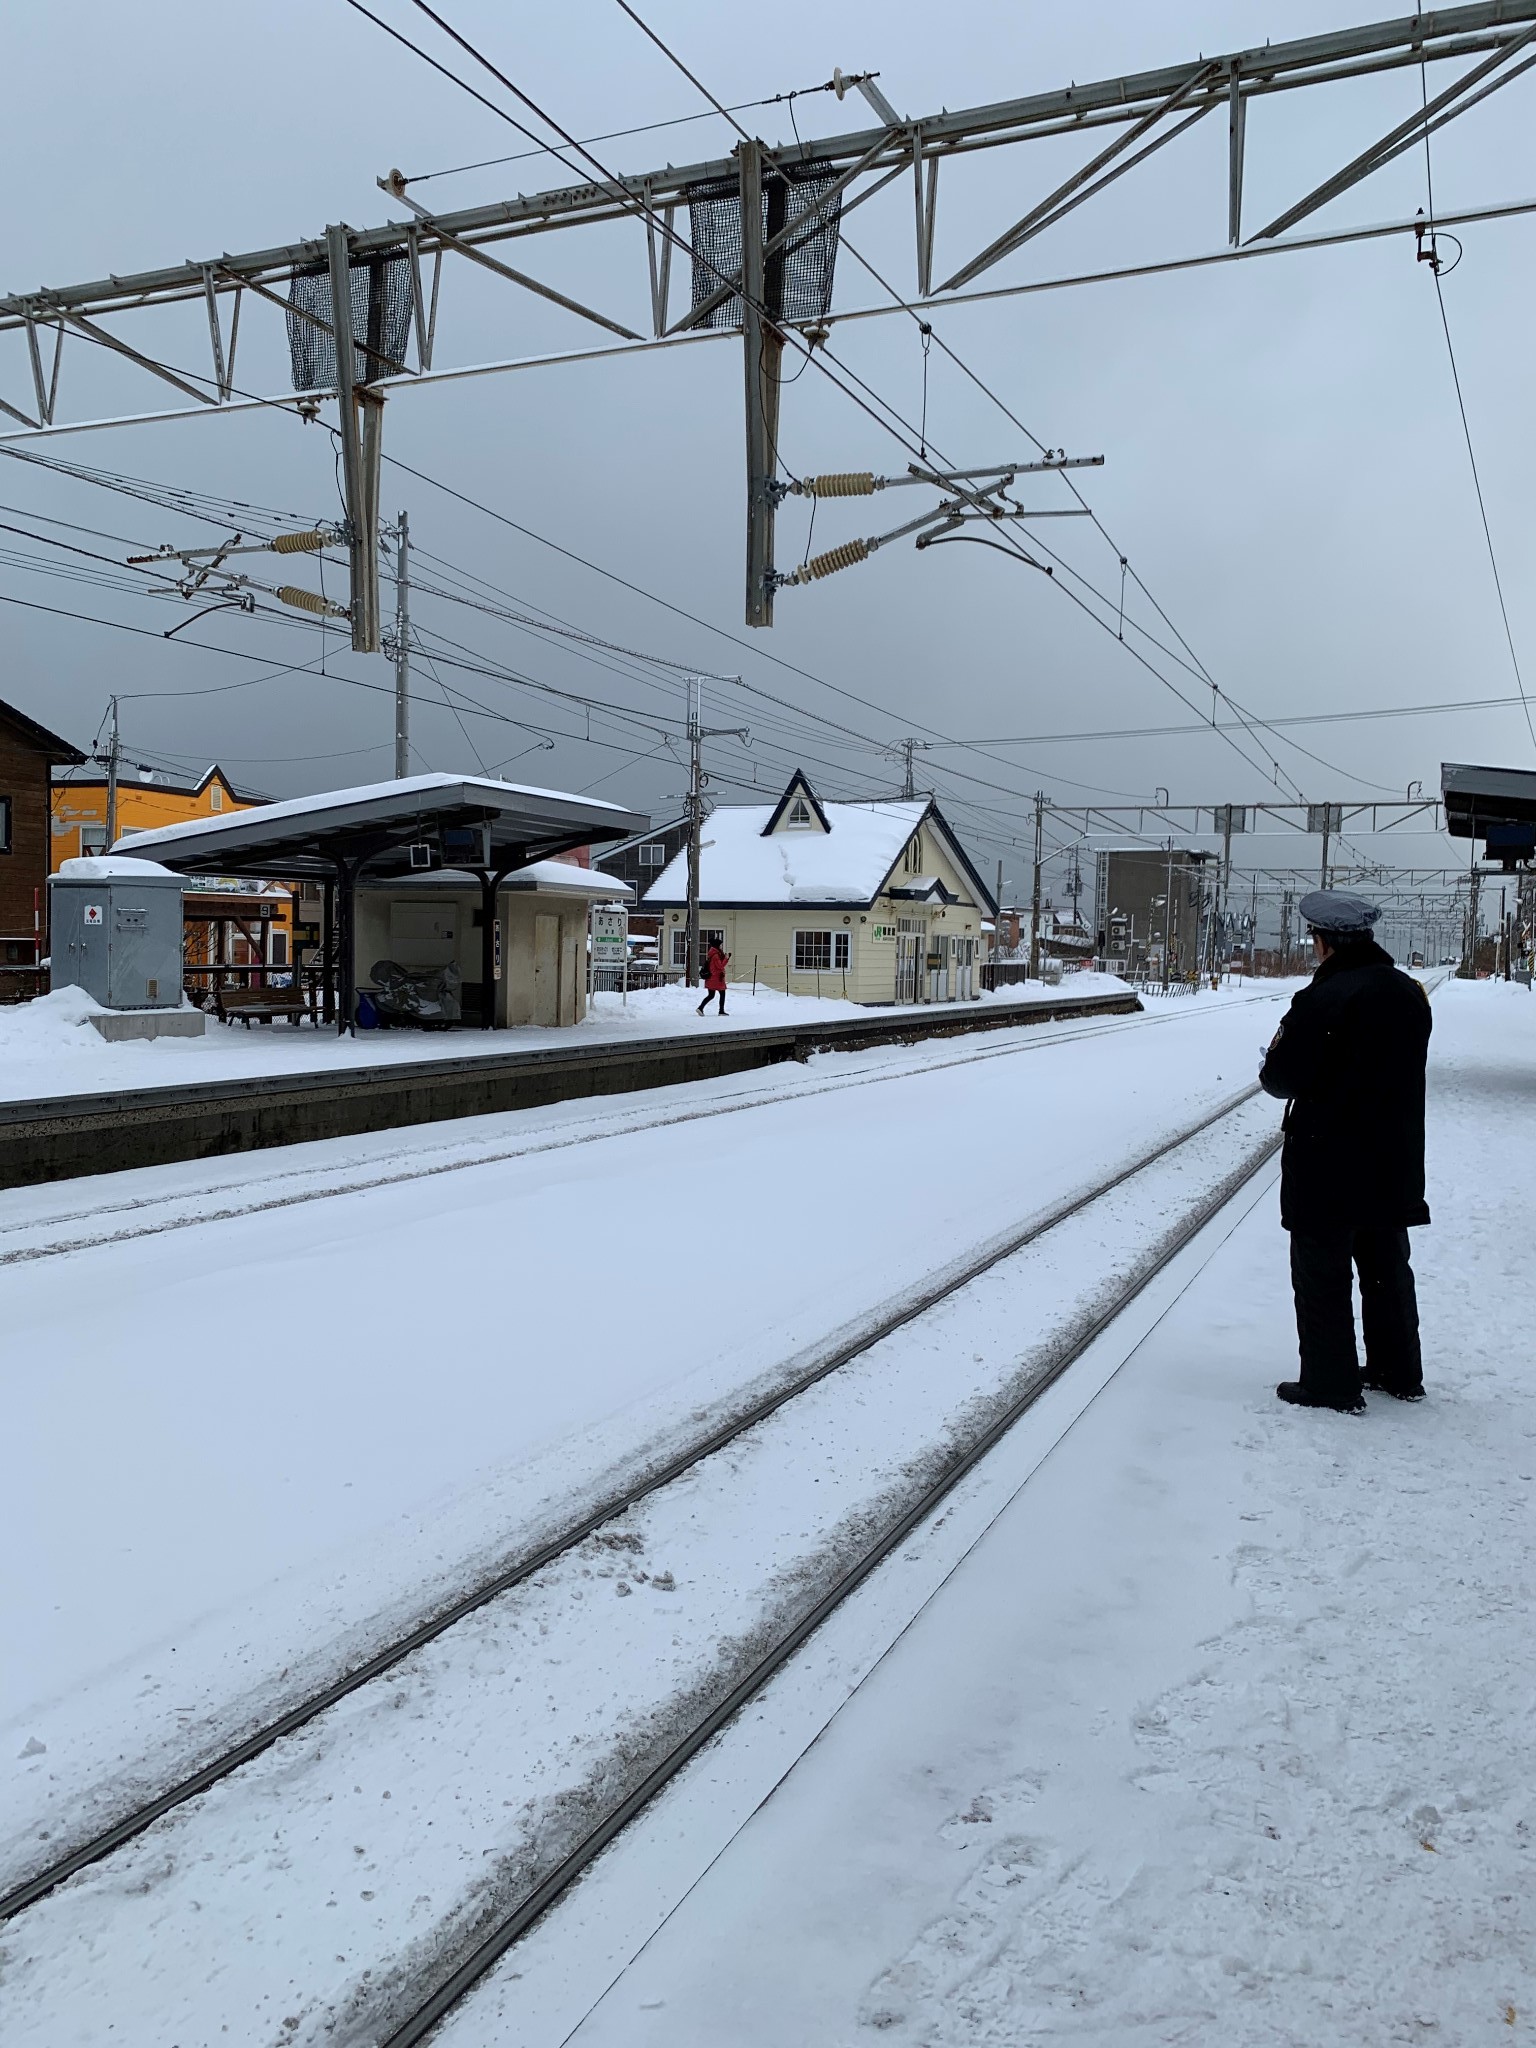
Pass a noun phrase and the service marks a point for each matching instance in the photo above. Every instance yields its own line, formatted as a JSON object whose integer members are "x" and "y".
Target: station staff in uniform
{"x": 1349, "y": 1061}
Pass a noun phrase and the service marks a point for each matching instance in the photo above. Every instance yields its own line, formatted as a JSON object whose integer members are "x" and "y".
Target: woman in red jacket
{"x": 714, "y": 977}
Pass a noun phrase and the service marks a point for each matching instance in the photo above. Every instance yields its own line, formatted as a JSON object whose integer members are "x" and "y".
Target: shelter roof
{"x": 464, "y": 821}
{"x": 541, "y": 877}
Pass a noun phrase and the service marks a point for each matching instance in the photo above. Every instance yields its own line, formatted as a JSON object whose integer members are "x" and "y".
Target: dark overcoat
{"x": 1349, "y": 1060}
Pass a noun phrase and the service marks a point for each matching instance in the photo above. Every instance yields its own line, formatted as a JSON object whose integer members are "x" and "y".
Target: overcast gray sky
{"x": 1284, "y": 463}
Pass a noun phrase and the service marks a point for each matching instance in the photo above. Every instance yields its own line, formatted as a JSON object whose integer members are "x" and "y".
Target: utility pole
{"x": 402, "y": 649}
{"x": 1034, "y": 900}
{"x": 361, "y": 412}
{"x": 997, "y": 914}
{"x": 696, "y": 781}
{"x": 762, "y": 287}
{"x": 909, "y": 787}
{"x": 695, "y": 827}
{"x": 1327, "y": 823}
{"x": 1226, "y": 872}
{"x": 114, "y": 751}
{"x": 1168, "y": 919}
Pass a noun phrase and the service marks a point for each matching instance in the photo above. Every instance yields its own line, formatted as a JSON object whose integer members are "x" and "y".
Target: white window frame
{"x": 839, "y": 950}
{"x": 799, "y": 817}
{"x": 652, "y": 855}
{"x": 708, "y": 936}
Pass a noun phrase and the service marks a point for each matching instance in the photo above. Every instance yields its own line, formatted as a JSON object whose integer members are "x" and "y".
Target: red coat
{"x": 714, "y": 971}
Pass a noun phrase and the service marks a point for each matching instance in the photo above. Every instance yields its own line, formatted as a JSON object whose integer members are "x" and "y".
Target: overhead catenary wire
{"x": 677, "y": 61}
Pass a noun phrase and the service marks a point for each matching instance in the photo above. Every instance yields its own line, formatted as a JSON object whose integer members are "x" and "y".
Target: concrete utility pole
{"x": 997, "y": 915}
{"x": 762, "y": 294}
{"x": 1034, "y": 899}
{"x": 402, "y": 649}
{"x": 697, "y": 735}
{"x": 695, "y": 827}
{"x": 114, "y": 751}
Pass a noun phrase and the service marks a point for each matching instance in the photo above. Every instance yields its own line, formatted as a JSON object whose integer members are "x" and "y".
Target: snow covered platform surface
{"x": 1218, "y": 1729}
{"x": 48, "y": 1048}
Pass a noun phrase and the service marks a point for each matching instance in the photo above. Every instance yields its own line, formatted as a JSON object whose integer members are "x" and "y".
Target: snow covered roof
{"x": 546, "y": 877}
{"x": 846, "y": 863}
{"x": 114, "y": 867}
{"x": 307, "y": 835}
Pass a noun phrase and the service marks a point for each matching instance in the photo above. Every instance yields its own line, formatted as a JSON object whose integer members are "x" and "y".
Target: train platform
{"x": 1214, "y": 1725}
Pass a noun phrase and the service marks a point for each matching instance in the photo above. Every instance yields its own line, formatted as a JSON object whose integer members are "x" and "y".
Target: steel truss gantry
{"x": 1127, "y": 120}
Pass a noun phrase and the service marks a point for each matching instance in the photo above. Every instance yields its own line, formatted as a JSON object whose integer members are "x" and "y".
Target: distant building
{"x": 1151, "y": 909}
{"x": 878, "y": 901}
{"x": 146, "y": 799}
{"x": 29, "y": 755}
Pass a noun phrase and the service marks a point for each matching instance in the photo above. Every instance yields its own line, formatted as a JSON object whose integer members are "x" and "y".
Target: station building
{"x": 876, "y": 901}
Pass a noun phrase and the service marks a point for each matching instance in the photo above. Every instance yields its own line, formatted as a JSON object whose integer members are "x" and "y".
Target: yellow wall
{"x": 140, "y": 805}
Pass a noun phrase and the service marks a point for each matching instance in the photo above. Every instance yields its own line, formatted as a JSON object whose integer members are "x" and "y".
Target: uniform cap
{"x": 1335, "y": 911}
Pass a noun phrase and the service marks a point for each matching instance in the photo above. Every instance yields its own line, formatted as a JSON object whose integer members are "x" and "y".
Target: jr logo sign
{"x": 94, "y": 914}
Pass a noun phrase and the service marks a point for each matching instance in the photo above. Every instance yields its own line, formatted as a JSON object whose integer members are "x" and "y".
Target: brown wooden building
{"x": 28, "y": 755}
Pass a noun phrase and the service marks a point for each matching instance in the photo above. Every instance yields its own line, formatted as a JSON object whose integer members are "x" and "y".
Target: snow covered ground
{"x": 50, "y": 1047}
{"x": 1218, "y": 1730}
{"x": 261, "y": 1413}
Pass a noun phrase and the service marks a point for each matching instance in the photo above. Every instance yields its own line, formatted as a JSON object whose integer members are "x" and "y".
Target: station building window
{"x": 821, "y": 952}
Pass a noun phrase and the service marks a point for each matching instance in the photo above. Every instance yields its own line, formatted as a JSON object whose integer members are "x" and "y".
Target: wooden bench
{"x": 260, "y": 1005}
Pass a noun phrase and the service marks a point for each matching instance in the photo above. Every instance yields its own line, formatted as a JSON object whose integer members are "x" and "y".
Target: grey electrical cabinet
{"x": 115, "y": 928}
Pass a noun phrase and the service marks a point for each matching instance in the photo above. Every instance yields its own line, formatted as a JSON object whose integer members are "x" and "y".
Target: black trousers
{"x": 720, "y": 992}
{"x": 1325, "y": 1319}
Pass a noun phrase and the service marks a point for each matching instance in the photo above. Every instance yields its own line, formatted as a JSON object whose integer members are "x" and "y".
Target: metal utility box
{"x": 115, "y": 924}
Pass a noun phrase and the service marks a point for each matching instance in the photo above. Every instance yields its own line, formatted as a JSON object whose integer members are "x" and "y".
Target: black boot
{"x": 1302, "y": 1397}
{"x": 1397, "y": 1393}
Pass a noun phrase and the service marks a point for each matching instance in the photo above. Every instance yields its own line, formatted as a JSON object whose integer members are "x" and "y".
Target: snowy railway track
{"x": 116, "y": 1218}
{"x": 902, "y": 1433}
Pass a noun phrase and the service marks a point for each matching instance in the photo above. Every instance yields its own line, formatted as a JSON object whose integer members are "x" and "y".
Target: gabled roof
{"x": 744, "y": 864}
{"x": 797, "y": 786}
{"x": 93, "y": 776}
{"x": 39, "y": 736}
{"x": 639, "y": 839}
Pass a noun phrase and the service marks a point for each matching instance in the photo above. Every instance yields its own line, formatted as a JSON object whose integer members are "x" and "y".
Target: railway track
{"x": 1217, "y": 1155}
{"x": 116, "y": 1219}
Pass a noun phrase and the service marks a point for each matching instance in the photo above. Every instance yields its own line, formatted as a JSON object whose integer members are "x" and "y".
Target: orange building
{"x": 145, "y": 798}
{"x": 228, "y": 924}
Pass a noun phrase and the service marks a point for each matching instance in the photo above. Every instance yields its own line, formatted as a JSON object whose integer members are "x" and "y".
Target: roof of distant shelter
{"x": 541, "y": 877}
{"x": 38, "y": 736}
{"x": 462, "y": 821}
{"x": 752, "y": 855}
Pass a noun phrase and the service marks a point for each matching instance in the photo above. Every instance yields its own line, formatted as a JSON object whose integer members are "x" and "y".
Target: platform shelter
{"x": 482, "y": 831}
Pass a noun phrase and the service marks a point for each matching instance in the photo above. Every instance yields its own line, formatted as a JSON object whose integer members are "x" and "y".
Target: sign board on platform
{"x": 610, "y": 937}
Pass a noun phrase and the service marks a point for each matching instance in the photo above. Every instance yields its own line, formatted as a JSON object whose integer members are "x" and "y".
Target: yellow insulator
{"x": 299, "y": 543}
{"x": 846, "y": 483}
{"x": 309, "y": 601}
{"x": 834, "y": 559}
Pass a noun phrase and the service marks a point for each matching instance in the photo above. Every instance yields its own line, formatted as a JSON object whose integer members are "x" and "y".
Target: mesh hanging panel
{"x": 381, "y": 322}
{"x": 797, "y": 278}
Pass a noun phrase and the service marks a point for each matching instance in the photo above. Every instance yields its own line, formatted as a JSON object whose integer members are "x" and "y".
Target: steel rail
{"x": 549, "y": 1891}
{"x": 918, "y": 1303}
